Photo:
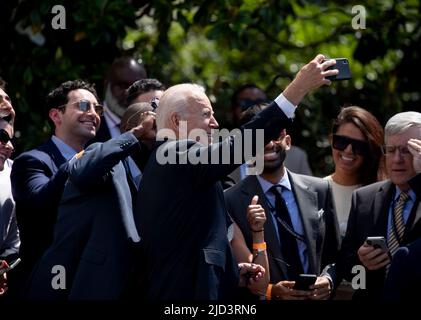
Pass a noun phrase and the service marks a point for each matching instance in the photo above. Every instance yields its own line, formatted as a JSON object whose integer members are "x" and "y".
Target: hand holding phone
{"x": 377, "y": 242}
{"x": 342, "y": 65}
{"x": 304, "y": 281}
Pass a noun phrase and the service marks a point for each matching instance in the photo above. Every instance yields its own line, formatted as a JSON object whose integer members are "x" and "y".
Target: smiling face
{"x": 275, "y": 152}
{"x": 400, "y": 166}
{"x": 6, "y": 107}
{"x": 347, "y": 162}
{"x": 74, "y": 124}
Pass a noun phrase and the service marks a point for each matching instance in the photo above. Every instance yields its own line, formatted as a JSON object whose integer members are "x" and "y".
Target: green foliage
{"x": 220, "y": 44}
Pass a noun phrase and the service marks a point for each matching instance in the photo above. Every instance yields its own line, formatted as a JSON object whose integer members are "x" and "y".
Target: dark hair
{"x": 60, "y": 95}
{"x": 2, "y": 84}
{"x": 249, "y": 114}
{"x": 373, "y": 168}
{"x": 142, "y": 86}
{"x": 236, "y": 93}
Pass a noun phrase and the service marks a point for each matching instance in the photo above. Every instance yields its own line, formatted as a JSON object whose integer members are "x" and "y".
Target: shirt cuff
{"x": 287, "y": 107}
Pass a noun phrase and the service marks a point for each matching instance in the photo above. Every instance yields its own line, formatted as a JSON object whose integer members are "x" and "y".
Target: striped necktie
{"x": 397, "y": 227}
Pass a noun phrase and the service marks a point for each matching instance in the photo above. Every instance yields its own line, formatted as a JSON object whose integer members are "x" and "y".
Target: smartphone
{"x": 304, "y": 281}
{"x": 377, "y": 242}
{"x": 342, "y": 65}
{"x": 10, "y": 267}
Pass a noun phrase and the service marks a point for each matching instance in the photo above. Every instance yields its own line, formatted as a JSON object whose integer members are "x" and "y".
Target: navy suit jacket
{"x": 403, "y": 281}
{"x": 183, "y": 217}
{"x": 38, "y": 177}
{"x": 318, "y": 216}
{"x": 90, "y": 240}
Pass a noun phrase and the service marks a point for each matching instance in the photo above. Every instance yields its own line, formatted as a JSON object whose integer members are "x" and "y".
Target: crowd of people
{"x": 95, "y": 213}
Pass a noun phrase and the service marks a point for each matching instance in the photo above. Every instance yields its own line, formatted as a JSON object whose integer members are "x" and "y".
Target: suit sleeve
{"x": 226, "y": 155}
{"x": 398, "y": 276}
{"x": 33, "y": 185}
{"x": 94, "y": 165}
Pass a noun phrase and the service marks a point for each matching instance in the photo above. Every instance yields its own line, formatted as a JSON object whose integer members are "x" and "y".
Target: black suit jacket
{"x": 369, "y": 217}
{"x": 184, "y": 221}
{"x": 90, "y": 240}
{"x": 38, "y": 177}
{"x": 314, "y": 201}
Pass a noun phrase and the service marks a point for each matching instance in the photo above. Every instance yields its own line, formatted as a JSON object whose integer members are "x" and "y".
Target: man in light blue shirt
{"x": 301, "y": 235}
{"x": 39, "y": 175}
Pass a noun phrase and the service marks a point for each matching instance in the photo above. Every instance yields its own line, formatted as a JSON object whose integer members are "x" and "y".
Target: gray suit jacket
{"x": 314, "y": 200}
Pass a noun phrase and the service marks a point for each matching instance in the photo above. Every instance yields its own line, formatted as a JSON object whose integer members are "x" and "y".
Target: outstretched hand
{"x": 310, "y": 77}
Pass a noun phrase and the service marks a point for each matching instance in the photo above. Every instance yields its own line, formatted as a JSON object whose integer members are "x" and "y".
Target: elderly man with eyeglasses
{"x": 39, "y": 175}
{"x": 389, "y": 209}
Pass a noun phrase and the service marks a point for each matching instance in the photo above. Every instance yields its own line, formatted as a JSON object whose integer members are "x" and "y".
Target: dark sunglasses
{"x": 154, "y": 103}
{"x": 341, "y": 142}
{"x": 85, "y": 106}
{"x": 4, "y": 136}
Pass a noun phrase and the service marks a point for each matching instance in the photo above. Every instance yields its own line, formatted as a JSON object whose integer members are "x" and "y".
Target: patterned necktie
{"x": 289, "y": 247}
{"x": 397, "y": 227}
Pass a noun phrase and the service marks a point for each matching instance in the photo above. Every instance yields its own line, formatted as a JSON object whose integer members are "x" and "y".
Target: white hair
{"x": 176, "y": 99}
{"x": 403, "y": 121}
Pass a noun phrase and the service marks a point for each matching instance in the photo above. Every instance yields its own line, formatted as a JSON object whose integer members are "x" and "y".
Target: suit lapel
{"x": 381, "y": 205}
{"x": 414, "y": 219}
{"x": 308, "y": 209}
{"x": 252, "y": 187}
{"x": 54, "y": 153}
{"x": 236, "y": 175}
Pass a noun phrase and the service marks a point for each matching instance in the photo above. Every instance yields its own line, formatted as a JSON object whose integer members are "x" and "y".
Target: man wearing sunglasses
{"x": 389, "y": 209}
{"x": 9, "y": 234}
{"x": 39, "y": 175}
{"x": 244, "y": 98}
{"x": 95, "y": 233}
{"x": 307, "y": 238}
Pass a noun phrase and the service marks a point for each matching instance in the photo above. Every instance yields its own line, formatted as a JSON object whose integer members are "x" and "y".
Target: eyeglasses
{"x": 154, "y": 103}
{"x": 4, "y": 136}
{"x": 85, "y": 106}
{"x": 390, "y": 150}
{"x": 341, "y": 142}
